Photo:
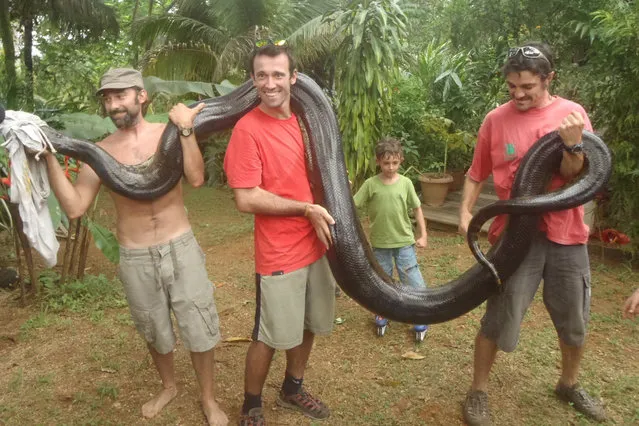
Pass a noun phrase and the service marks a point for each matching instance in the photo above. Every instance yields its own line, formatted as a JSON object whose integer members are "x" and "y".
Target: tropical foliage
{"x": 425, "y": 71}
{"x": 614, "y": 99}
{"x": 81, "y": 19}
{"x": 368, "y": 60}
{"x": 208, "y": 40}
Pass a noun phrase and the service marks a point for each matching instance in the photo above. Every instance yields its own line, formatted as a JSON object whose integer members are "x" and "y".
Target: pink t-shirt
{"x": 268, "y": 152}
{"x": 504, "y": 138}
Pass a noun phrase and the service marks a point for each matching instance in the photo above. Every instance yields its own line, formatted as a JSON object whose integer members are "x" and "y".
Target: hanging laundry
{"x": 29, "y": 181}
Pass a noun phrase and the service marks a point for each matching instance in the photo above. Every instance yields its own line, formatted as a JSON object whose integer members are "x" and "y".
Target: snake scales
{"x": 351, "y": 258}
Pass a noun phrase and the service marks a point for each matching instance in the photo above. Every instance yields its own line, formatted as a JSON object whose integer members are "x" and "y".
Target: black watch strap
{"x": 186, "y": 131}
{"x": 574, "y": 149}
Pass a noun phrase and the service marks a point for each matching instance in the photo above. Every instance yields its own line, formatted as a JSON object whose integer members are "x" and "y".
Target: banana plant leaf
{"x": 105, "y": 240}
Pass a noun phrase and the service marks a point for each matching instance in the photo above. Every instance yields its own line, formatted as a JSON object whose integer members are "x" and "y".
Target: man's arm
{"x": 258, "y": 201}
{"x": 570, "y": 131}
{"x": 183, "y": 117}
{"x": 75, "y": 199}
{"x": 471, "y": 192}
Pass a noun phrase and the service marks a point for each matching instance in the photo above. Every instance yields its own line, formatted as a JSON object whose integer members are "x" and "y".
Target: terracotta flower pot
{"x": 459, "y": 176}
{"x": 434, "y": 188}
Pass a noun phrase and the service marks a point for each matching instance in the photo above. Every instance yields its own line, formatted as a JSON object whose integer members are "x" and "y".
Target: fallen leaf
{"x": 238, "y": 339}
{"x": 339, "y": 320}
{"x": 413, "y": 355}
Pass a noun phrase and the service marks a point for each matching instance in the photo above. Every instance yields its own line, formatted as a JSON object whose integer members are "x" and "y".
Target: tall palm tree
{"x": 84, "y": 19}
{"x": 208, "y": 39}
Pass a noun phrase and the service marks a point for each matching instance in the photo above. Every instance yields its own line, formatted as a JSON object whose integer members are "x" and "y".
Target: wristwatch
{"x": 186, "y": 131}
{"x": 574, "y": 149}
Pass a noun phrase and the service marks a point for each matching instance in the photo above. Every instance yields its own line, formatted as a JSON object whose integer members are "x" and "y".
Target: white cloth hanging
{"x": 29, "y": 180}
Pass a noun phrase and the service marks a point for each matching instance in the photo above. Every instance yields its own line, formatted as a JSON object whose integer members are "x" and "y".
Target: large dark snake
{"x": 350, "y": 256}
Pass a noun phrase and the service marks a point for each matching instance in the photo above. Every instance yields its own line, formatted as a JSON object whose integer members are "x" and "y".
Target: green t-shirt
{"x": 388, "y": 207}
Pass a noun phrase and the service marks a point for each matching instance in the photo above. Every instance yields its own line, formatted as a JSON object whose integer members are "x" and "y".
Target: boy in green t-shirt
{"x": 388, "y": 197}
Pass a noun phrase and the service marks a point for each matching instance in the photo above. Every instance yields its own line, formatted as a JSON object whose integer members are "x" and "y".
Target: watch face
{"x": 575, "y": 148}
{"x": 186, "y": 132}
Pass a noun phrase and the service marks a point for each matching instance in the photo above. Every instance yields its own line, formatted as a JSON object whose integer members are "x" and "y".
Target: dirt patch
{"x": 92, "y": 368}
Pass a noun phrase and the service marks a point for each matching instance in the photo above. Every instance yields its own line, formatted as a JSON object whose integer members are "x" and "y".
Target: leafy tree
{"x": 82, "y": 19}
{"x": 10, "y": 80}
{"x": 207, "y": 40}
{"x": 367, "y": 63}
{"x": 614, "y": 99}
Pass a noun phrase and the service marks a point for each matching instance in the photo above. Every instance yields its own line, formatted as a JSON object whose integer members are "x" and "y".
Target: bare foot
{"x": 214, "y": 413}
{"x": 154, "y": 406}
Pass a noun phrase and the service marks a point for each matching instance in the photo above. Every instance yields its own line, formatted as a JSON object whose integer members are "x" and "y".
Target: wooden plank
{"x": 448, "y": 213}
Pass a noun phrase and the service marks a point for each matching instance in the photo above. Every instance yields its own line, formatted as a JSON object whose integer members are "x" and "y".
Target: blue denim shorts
{"x": 405, "y": 259}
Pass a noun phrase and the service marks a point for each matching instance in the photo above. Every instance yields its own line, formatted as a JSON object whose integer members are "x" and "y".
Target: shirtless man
{"x": 161, "y": 265}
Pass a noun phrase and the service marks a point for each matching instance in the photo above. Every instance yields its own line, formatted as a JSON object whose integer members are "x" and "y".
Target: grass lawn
{"x": 74, "y": 357}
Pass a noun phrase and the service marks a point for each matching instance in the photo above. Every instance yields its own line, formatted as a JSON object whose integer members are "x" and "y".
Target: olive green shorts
{"x": 165, "y": 277}
{"x": 288, "y": 304}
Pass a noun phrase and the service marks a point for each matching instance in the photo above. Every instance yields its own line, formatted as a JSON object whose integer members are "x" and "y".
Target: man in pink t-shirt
{"x": 558, "y": 254}
{"x": 295, "y": 290}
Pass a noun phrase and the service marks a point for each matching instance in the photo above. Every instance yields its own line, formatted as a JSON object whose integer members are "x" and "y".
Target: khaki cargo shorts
{"x": 288, "y": 304}
{"x": 165, "y": 277}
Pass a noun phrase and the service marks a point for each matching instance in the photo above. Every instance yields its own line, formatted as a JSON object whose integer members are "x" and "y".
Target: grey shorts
{"x": 565, "y": 271}
{"x": 288, "y": 304}
{"x": 165, "y": 277}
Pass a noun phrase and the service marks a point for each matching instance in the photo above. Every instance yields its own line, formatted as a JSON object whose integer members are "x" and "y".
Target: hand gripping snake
{"x": 351, "y": 258}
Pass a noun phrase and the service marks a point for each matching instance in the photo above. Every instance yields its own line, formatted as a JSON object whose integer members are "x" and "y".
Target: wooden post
{"x": 23, "y": 291}
{"x": 84, "y": 248}
{"x": 76, "y": 242}
{"x": 67, "y": 252}
{"x": 26, "y": 247}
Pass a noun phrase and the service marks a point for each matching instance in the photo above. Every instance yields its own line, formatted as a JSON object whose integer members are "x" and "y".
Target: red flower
{"x": 612, "y": 236}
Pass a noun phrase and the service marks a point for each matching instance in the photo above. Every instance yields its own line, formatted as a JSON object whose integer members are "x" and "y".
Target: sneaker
{"x": 253, "y": 418}
{"x": 304, "y": 402}
{"x": 380, "y": 321}
{"x": 581, "y": 401}
{"x": 476, "y": 411}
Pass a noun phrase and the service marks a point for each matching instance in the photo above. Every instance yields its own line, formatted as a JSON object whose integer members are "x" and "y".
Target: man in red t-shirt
{"x": 558, "y": 254}
{"x": 295, "y": 290}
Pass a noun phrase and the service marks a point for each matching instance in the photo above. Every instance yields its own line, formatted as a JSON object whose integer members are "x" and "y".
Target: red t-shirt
{"x": 504, "y": 138}
{"x": 268, "y": 152}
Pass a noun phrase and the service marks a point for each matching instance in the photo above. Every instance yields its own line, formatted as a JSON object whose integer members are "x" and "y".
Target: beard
{"x": 129, "y": 119}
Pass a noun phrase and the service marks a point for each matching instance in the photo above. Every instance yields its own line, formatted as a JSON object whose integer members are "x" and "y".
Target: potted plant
{"x": 435, "y": 184}
{"x": 460, "y": 156}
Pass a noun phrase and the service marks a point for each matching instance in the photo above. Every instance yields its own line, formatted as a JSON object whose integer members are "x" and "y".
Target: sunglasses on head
{"x": 264, "y": 42}
{"x": 530, "y": 52}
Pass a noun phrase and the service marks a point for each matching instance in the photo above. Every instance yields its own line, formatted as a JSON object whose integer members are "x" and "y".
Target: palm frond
{"x": 238, "y": 16}
{"x": 196, "y": 9}
{"x": 175, "y": 28}
{"x": 234, "y": 55}
{"x": 181, "y": 61}
{"x": 91, "y": 17}
{"x": 295, "y": 14}
{"x": 315, "y": 41}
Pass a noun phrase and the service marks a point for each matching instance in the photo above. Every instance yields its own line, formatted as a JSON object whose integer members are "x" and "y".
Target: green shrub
{"x": 91, "y": 294}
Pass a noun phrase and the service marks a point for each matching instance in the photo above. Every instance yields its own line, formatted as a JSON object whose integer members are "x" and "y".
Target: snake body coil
{"x": 351, "y": 258}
